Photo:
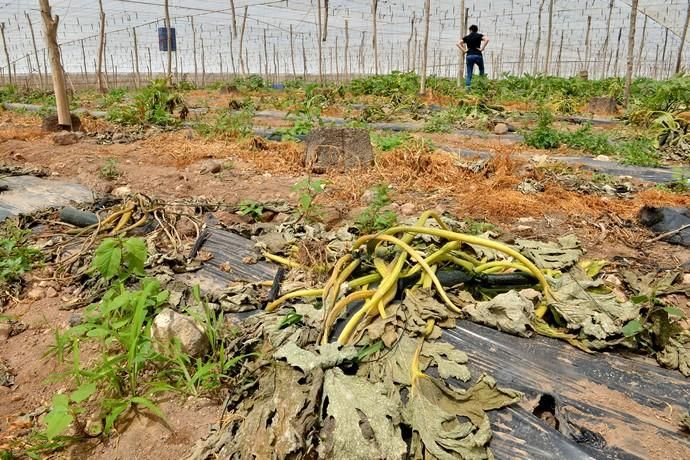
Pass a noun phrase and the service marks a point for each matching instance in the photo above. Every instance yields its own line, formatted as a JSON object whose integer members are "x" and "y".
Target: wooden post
{"x": 324, "y": 33}
{"x": 549, "y": 37}
{"x": 7, "y": 54}
{"x": 618, "y": 49}
{"x": 169, "y": 39}
{"x": 304, "y": 60}
{"x": 234, "y": 18}
{"x": 150, "y": 67}
{"x": 136, "y": 58}
{"x": 292, "y": 53}
{"x": 347, "y": 50}
{"x": 560, "y": 55}
{"x": 679, "y": 59}
{"x": 605, "y": 48}
{"x": 521, "y": 64}
{"x": 33, "y": 41}
{"x": 361, "y": 55}
{"x": 409, "y": 44}
{"x": 374, "y": 41}
{"x": 83, "y": 56}
{"x": 631, "y": 51}
{"x": 535, "y": 64}
{"x": 50, "y": 26}
{"x": 203, "y": 63}
{"x": 461, "y": 55}
{"x": 196, "y": 68}
{"x": 587, "y": 42}
{"x": 243, "y": 64}
{"x": 101, "y": 48}
{"x": 232, "y": 55}
{"x": 425, "y": 50}
{"x": 319, "y": 38}
{"x": 642, "y": 40}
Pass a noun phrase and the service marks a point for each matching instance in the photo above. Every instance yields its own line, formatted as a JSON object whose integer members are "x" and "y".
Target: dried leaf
{"x": 365, "y": 419}
{"x": 449, "y": 360}
{"x": 509, "y": 312}
{"x": 676, "y": 355}
{"x": 555, "y": 256}
{"x": 433, "y": 412}
{"x": 328, "y": 356}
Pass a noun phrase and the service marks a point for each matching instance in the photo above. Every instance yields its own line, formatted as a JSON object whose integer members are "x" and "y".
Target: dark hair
{"x": 474, "y": 28}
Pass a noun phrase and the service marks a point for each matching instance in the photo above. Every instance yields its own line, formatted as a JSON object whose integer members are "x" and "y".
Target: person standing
{"x": 473, "y": 46}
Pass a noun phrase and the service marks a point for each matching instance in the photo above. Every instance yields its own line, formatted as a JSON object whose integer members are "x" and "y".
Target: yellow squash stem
{"x": 335, "y": 289}
{"x": 426, "y": 284}
{"x": 292, "y": 295}
{"x": 334, "y": 276}
{"x": 339, "y": 307}
{"x": 500, "y": 265}
{"x": 409, "y": 250}
{"x": 373, "y": 302}
{"x": 281, "y": 260}
{"x": 433, "y": 258}
{"x": 470, "y": 239}
{"x": 415, "y": 372}
{"x": 458, "y": 261}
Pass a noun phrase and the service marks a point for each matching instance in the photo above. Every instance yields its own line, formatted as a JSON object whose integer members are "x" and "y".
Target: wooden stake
{"x": 639, "y": 51}
{"x": 33, "y": 41}
{"x": 535, "y": 64}
{"x": 521, "y": 65}
{"x": 150, "y": 67}
{"x": 347, "y": 50}
{"x": 243, "y": 64}
{"x": 374, "y": 41}
{"x": 409, "y": 44}
{"x": 631, "y": 51}
{"x": 83, "y": 56}
{"x": 679, "y": 59}
{"x": 50, "y": 26}
{"x": 101, "y": 48}
{"x": 324, "y": 33}
{"x": 319, "y": 38}
{"x": 136, "y": 58}
{"x": 203, "y": 63}
{"x": 304, "y": 60}
{"x": 587, "y": 43}
{"x": 7, "y": 54}
{"x": 292, "y": 53}
{"x": 461, "y": 55}
{"x": 604, "y": 50}
{"x": 196, "y": 68}
{"x": 560, "y": 55}
{"x": 265, "y": 56}
{"x": 425, "y": 50}
{"x": 549, "y": 36}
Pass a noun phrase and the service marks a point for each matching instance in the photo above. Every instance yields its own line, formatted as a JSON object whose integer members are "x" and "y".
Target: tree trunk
{"x": 7, "y": 54}
{"x": 374, "y": 41}
{"x": 537, "y": 45}
{"x": 679, "y": 59}
{"x": 549, "y": 38}
{"x": 243, "y": 64}
{"x": 169, "y": 39}
{"x": 234, "y": 18}
{"x": 461, "y": 55}
{"x": 631, "y": 50}
{"x": 33, "y": 41}
{"x": 50, "y": 26}
{"x": 425, "y": 51}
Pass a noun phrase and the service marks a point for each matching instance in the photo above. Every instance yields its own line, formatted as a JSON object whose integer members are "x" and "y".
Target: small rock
{"x": 117, "y": 137}
{"x": 686, "y": 278}
{"x": 121, "y": 191}
{"x": 65, "y": 138}
{"x": 281, "y": 218}
{"x": 501, "y": 128}
{"x": 407, "y": 209}
{"x": 211, "y": 167}
{"x": 368, "y": 196}
{"x": 74, "y": 319}
{"x": 5, "y": 331}
{"x": 602, "y": 158}
{"x": 531, "y": 294}
{"x": 169, "y": 325}
{"x": 35, "y": 294}
{"x": 51, "y": 292}
{"x": 613, "y": 280}
{"x": 522, "y": 228}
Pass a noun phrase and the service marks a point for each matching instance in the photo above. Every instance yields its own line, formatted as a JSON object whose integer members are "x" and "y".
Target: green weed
{"x": 638, "y": 152}
{"x": 153, "y": 105}
{"x": 388, "y": 142}
{"x": 16, "y": 256}
{"x": 250, "y": 208}
{"x": 229, "y": 125}
{"x": 109, "y": 170}
{"x": 373, "y": 218}
{"x": 309, "y": 190}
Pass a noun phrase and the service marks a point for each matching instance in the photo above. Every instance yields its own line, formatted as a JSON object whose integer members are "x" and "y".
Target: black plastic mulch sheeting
{"x": 608, "y": 406}
{"x": 626, "y": 399}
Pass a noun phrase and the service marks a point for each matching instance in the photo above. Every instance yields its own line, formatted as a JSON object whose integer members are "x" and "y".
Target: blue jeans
{"x": 473, "y": 59}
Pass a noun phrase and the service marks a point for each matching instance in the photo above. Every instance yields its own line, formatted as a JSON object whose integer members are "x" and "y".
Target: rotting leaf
{"x": 433, "y": 410}
{"x": 420, "y": 306}
{"x": 509, "y": 312}
{"x": 365, "y": 417}
{"x": 676, "y": 355}
{"x": 450, "y": 361}
{"x": 327, "y": 356}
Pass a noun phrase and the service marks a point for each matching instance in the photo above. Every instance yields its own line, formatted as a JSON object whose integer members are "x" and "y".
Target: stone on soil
{"x": 169, "y": 326}
{"x": 604, "y": 105}
{"x": 501, "y": 128}
{"x": 65, "y": 138}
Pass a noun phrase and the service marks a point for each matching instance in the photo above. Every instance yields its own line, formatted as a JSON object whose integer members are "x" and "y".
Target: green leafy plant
{"x": 16, "y": 256}
{"x": 153, "y": 105}
{"x": 250, "y": 208}
{"x": 113, "y": 97}
{"x": 388, "y": 142}
{"x": 229, "y": 125}
{"x": 587, "y": 140}
{"x": 309, "y": 190}
{"x": 374, "y": 218}
{"x": 638, "y": 152}
{"x": 544, "y": 136}
{"x": 109, "y": 170}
